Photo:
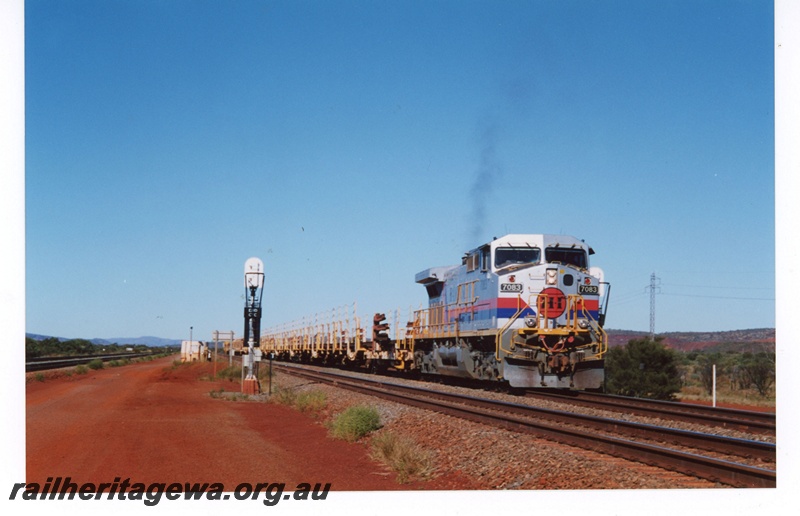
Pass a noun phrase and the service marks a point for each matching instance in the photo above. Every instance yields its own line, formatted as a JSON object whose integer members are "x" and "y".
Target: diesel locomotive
{"x": 526, "y": 309}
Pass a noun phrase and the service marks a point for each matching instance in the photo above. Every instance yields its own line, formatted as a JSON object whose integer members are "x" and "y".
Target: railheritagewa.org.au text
{"x": 59, "y": 488}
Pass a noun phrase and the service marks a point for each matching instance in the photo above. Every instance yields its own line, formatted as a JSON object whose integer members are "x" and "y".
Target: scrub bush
{"x": 403, "y": 455}
{"x": 355, "y": 422}
{"x": 311, "y": 401}
{"x": 644, "y": 368}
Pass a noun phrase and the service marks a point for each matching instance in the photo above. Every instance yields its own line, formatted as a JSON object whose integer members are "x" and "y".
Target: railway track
{"x": 715, "y": 458}
{"x": 46, "y": 363}
{"x": 744, "y": 420}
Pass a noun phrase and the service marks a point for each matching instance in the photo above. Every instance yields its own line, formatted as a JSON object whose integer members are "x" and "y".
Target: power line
{"x": 721, "y": 297}
{"x": 628, "y": 297}
{"x": 716, "y": 286}
{"x": 637, "y": 299}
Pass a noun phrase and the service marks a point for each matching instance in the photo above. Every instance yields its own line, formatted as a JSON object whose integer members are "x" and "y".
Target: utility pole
{"x": 653, "y": 288}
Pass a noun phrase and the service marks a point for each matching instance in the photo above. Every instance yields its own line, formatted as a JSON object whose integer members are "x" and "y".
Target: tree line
{"x": 647, "y": 368}
{"x": 53, "y": 347}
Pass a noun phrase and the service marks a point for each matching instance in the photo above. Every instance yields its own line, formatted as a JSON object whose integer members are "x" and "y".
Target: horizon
{"x": 118, "y": 340}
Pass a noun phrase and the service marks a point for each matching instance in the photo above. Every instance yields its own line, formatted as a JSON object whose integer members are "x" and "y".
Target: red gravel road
{"x": 151, "y": 422}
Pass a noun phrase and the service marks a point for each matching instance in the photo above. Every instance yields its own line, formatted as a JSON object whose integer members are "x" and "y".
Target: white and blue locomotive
{"x": 527, "y": 309}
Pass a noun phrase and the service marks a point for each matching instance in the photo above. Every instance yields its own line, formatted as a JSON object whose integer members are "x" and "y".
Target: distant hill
{"x": 133, "y": 341}
{"x": 36, "y": 336}
{"x": 757, "y": 339}
{"x": 147, "y": 341}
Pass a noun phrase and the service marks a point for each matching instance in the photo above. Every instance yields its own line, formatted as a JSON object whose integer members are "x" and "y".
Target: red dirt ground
{"x": 151, "y": 422}
{"x": 754, "y": 408}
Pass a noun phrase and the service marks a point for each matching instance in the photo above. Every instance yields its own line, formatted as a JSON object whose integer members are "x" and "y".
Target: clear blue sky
{"x": 350, "y": 145}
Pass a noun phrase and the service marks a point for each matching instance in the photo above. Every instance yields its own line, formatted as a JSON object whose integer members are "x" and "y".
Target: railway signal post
{"x": 254, "y": 287}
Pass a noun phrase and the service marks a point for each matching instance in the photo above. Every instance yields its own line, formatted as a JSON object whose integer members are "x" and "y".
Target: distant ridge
{"x": 757, "y": 339}
{"x": 134, "y": 341}
{"x": 147, "y": 341}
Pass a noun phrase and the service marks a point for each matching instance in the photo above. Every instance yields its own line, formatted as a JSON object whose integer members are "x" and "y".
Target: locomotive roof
{"x": 434, "y": 274}
{"x": 536, "y": 240}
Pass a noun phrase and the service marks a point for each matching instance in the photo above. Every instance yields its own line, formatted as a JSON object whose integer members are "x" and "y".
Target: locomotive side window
{"x": 473, "y": 262}
{"x": 478, "y": 260}
{"x": 576, "y": 257}
{"x": 505, "y": 256}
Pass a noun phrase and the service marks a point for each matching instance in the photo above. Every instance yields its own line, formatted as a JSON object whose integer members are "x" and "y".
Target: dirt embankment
{"x": 154, "y": 423}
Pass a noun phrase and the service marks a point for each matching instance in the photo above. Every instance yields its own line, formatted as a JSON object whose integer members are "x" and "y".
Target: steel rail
{"x": 709, "y": 468}
{"x": 708, "y": 442}
{"x": 745, "y": 420}
{"x": 46, "y": 363}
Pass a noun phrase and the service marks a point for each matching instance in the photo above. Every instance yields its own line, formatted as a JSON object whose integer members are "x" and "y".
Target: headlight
{"x": 583, "y": 324}
{"x": 530, "y": 322}
{"x": 551, "y": 278}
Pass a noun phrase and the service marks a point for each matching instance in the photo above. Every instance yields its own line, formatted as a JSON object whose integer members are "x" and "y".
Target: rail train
{"x": 526, "y": 309}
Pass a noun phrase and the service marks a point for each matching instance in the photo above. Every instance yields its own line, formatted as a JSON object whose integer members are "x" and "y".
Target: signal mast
{"x": 254, "y": 288}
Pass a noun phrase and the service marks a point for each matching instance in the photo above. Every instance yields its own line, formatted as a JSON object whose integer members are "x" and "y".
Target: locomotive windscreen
{"x": 504, "y": 256}
{"x": 576, "y": 257}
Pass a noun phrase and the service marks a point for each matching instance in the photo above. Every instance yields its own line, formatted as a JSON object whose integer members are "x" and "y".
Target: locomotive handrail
{"x": 575, "y": 310}
{"x": 499, "y": 338}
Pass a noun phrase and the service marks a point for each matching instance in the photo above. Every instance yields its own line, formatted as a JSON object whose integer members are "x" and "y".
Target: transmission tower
{"x": 653, "y": 288}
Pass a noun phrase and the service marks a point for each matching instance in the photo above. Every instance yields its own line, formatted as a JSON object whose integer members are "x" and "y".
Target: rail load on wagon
{"x": 526, "y": 309}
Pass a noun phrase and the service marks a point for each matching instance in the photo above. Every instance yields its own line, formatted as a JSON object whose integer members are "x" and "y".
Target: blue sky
{"x": 350, "y": 145}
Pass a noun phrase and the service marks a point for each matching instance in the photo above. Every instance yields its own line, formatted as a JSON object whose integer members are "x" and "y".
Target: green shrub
{"x": 403, "y": 455}
{"x": 311, "y": 401}
{"x": 644, "y": 368}
{"x": 39, "y": 377}
{"x": 758, "y": 370}
{"x": 355, "y": 422}
{"x": 81, "y": 369}
{"x": 96, "y": 364}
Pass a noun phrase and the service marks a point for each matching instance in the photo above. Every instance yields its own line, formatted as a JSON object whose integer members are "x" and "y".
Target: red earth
{"x": 754, "y": 408}
{"x": 152, "y": 422}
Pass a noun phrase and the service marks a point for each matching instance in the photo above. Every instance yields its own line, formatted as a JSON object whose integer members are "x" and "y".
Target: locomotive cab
{"x": 531, "y": 300}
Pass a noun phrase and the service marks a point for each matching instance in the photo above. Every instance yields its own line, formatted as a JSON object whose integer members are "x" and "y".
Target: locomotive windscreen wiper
{"x": 516, "y": 266}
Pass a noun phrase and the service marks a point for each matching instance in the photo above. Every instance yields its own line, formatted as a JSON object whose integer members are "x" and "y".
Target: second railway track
{"x": 744, "y": 420}
{"x": 47, "y": 363}
{"x": 726, "y": 460}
